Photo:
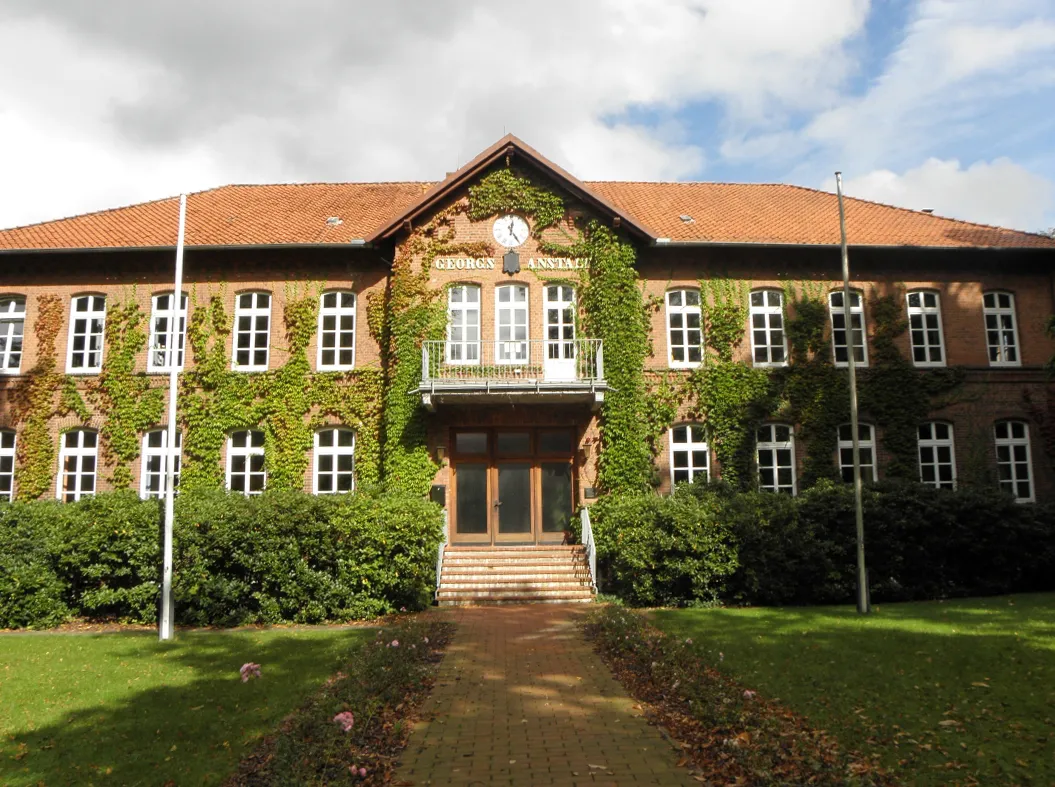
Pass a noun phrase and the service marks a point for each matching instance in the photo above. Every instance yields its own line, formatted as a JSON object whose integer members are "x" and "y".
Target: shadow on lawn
{"x": 952, "y": 688}
{"x": 190, "y": 729}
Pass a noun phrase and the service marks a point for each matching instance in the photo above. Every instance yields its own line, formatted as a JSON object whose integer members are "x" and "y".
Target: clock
{"x": 510, "y": 231}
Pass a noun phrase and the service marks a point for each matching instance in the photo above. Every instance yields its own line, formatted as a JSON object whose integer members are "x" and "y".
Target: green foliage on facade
{"x": 504, "y": 191}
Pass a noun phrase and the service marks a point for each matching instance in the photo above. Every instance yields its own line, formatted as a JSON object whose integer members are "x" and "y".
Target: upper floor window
{"x": 1001, "y": 328}
{"x": 245, "y": 462}
{"x": 153, "y": 476}
{"x": 7, "y": 464}
{"x": 1013, "y": 461}
{"x": 558, "y": 312}
{"x": 337, "y": 331}
{"x": 77, "y": 461}
{"x": 463, "y": 324}
{"x": 937, "y": 455}
{"x": 12, "y": 327}
{"x": 511, "y": 323}
{"x": 163, "y": 314}
{"x": 252, "y": 331}
{"x": 867, "y": 452}
{"x": 87, "y": 321}
{"x": 924, "y": 323}
{"x": 775, "y": 445}
{"x": 690, "y": 457}
{"x": 684, "y": 328}
{"x": 768, "y": 343}
{"x": 334, "y": 467}
{"x": 836, "y": 307}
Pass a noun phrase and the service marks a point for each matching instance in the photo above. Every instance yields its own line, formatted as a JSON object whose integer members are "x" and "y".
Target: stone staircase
{"x": 514, "y": 575}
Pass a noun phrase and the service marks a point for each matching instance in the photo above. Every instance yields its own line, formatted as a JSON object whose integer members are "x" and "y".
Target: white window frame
{"x": 767, "y": 440}
{"x": 845, "y": 452}
{"x": 559, "y": 318}
{"x": 682, "y": 312}
{"x": 248, "y": 451}
{"x": 1006, "y": 322}
{"x": 933, "y": 444}
{"x": 253, "y": 312}
{"x": 339, "y": 313}
{"x": 1015, "y": 466}
{"x": 769, "y": 315}
{"x": 857, "y": 323}
{"x": 12, "y": 329}
{"x": 922, "y": 312}
{"x": 159, "y": 356}
{"x": 92, "y": 338}
{"x": 463, "y": 350}
{"x": 334, "y": 452}
{"x": 158, "y": 452}
{"x": 8, "y": 445}
{"x": 79, "y": 453}
{"x": 691, "y": 447}
{"x": 512, "y": 350}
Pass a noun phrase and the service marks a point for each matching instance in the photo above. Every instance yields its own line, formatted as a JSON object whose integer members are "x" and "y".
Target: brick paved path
{"x": 521, "y": 699}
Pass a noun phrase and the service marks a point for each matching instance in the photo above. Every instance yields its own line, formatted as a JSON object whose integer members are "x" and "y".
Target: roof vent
{"x": 927, "y": 210}
{"x": 687, "y": 218}
{"x": 334, "y": 221}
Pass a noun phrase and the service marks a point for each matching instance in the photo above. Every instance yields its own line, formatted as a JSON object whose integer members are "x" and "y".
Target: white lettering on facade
{"x": 463, "y": 264}
{"x": 488, "y": 263}
{"x": 557, "y": 263}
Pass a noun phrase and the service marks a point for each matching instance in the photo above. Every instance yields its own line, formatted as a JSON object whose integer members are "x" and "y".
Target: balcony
{"x": 534, "y": 370}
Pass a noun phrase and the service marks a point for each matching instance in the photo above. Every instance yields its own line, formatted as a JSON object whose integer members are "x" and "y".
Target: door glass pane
{"x": 513, "y": 443}
{"x": 471, "y": 494}
{"x": 470, "y": 442}
{"x": 514, "y": 493}
{"x": 556, "y": 496}
{"x": 554, "y": 442}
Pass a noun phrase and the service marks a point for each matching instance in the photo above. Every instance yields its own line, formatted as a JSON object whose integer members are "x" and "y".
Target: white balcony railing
{"x": 515, "y": 364}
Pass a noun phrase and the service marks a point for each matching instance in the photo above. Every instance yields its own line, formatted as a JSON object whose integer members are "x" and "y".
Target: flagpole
{"x": 165, "y": 628}
{"x": 863, "y": 606}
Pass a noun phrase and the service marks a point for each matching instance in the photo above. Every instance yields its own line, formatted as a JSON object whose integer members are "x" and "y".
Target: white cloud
{"x": 999, "y": 192}
{"x": 121, "y": 100}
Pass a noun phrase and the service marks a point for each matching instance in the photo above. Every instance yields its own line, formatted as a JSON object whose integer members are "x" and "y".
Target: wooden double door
{"x": 511, "y": 485}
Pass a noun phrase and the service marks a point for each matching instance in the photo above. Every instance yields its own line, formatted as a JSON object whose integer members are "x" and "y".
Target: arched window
{"x": 684, "y": 328}
{"x": 12, "y": 328}
{"x": 245, "y": 462}
{"x": 84, "y": 354}
{"x": 769, "y": 345}
{"x": 925, "y": 328}
{"x": 153, "y": 473}
{"x": 337, "y": 331}
{"x": 163, "y": 312}
{"x": 1001, "y": 328}
{"x": 775, "y": 446}
{"x": 690, "y": 457}
{"x": 78, "y": 456}
{"x": 1014, "y": 463}
{"x": 252, "y": 332}
{"x": 334, "y": 466}
{"x": 937, "y": 455}
{"x": 837, "y": 311}
{"x": 7, "y": 464}
{"x": 867, "y": 446}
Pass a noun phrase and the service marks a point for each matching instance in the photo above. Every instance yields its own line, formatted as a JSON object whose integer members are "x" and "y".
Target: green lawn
{"x": 124, "y": 709}
{"x": 947, "y": 692}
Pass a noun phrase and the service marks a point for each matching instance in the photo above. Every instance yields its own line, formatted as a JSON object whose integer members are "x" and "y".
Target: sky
{"x": 928, "y": 104}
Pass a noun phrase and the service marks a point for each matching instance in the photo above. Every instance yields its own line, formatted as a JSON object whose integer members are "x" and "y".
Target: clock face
{"x": 510, "y": 231}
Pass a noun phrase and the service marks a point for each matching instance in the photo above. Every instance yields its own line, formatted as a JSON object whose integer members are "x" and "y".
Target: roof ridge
{"x": 329, "y": 183}
{"x": 683, "y": 183}
{"x": 929, "y": 214}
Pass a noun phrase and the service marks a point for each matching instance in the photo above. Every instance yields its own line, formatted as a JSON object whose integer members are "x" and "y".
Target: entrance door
{"x": 511, "y": 485}
{"x": 559, "y": 313}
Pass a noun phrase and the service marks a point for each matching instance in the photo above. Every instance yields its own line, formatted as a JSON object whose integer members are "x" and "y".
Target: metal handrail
{"x": 520, "y": 362}
{"x": 589, "y": 545}
{"x": 440, "y": 551}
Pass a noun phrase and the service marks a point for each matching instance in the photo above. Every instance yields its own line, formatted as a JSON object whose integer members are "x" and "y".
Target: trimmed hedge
{"x": 920, "y": 542}
{"x": 280, "y": 557}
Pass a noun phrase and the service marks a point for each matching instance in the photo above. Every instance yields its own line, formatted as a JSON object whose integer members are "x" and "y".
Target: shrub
{"x": 31, "y": 592}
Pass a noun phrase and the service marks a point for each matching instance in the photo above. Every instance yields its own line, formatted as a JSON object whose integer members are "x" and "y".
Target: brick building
{"x": 512, "y": 398}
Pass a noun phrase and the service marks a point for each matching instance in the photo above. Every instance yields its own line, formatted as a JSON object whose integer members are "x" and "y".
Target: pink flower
{"x": 402, "y": 609}
{"x": 748, "y": 694}
{"x": 394, "y": 643}
{"x": 362, "y": 773}
{"x": 249, "y": 670}
{"x": 346, "y": 720}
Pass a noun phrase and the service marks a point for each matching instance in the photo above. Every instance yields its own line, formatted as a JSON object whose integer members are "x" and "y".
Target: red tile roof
{"x": 720, "y": 213}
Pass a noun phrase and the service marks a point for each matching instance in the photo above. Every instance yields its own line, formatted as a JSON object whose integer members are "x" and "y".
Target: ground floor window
{"x": 245, "y": 462}
{"x": 334, "y": 469}
{"x": 7, "y": 464}
{"x": 689, "y": 454}
{"x": 77, "y": 463}
{"x": 152, "y": 481}
{"x": 937, "y": 455}
{"x": 1014, "y": 468}
{"x": 776, "y": 458}
{"x": 866, "y": 444}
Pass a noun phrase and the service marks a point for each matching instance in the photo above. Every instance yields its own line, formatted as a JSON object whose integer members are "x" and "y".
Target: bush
{"x": 920, "y": 543}
{"x": 283, "y": 556}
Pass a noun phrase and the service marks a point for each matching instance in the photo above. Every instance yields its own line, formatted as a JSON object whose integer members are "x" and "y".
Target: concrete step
{"x": 486, "y": 602}
{"x": 505, "y": 595}
{"x": 463, "y": 574}
{"x": 516, "y": 556}
{"x": 517, "y": 584}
